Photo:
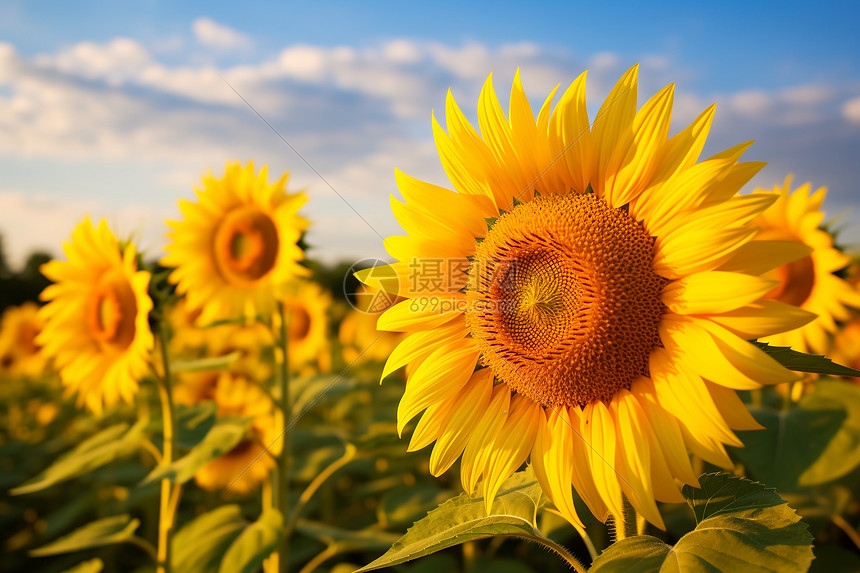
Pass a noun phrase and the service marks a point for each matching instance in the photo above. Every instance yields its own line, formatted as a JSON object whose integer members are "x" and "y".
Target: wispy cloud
{"x": 353, "y": 112}
{"x": 219, "y": 36}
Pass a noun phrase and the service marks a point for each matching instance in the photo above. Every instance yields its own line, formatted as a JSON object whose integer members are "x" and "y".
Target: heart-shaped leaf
{"x": 463, "y": 518}
{"x": 742, "y": 526}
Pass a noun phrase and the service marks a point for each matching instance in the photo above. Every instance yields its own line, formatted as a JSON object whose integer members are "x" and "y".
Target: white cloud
{"x": 851, "y": 110}
{"x": 42, "y": 222}
{"x": 352, "y": 112}
{"x": 754, "y": 103}
{"x": 114, "y": 62}
{"x": 214, "y": 35}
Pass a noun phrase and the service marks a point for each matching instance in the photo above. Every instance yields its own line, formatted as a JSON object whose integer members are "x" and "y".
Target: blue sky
{"x": 117, "y": 110}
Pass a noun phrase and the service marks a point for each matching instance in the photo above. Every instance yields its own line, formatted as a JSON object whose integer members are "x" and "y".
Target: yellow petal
{"x": 552, "y": 460}
{"x": 697, "y": 250}
{"x": 583, "y": 480}
{"x": 430, "y": 425}
{"x": 412, "y": 314}
{"x": 469, "y": 406}
{"x": 477, "y": 449}
{"x": 422, "y": 343}
{"x": 759, "y": 256}
{"x": 636, "y": 158}
{"x": 511, "y": 446}
{"x": 684, "y": 395}
{"x": 613, "y": 124}
{"x": 570, "y": 135}
{"x": 764, "y": 318}
{"x": 633, "y": 457}
{"x": 442, "y": 374}
{"x": 732, "y": 408}
{"x": 598, "y": 431}
{"x": 714, "y": 292}
{"x": 746, "y": 357}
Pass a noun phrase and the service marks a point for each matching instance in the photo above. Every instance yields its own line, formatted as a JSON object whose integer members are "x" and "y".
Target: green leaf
{"x": 490, "y": 222}
{"x": 109, "y": 444}
{"x": 800, "y": 362}
{"x": 200, "y": 545}
{"x": 205, "y": 364}
{"x": 105, "y": 531}
{"x": 742, "y": 526}
{"x": 816, "y": 441}
{"x": 222, "y": 438}
{"x": 194, "y": 422}
{"x": 405, "y": 504}
{"x": 313, "y": 450}
{"x": 463, "y": 519}
{"x": 842, "y": 453}
{"x": 254, "y": 544}
{"x": 91, "y": 566}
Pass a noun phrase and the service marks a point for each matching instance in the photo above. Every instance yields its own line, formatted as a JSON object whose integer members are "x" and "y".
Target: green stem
{"x": 282, "y": 493}
{"x": 561, "y": 551}
{"x": 169, "y": 494}
{"x": 625, "y": 523}
{"x": 145, "y": 545}
{"x": 318, "y": 481}
{"x": 641, "y": 525}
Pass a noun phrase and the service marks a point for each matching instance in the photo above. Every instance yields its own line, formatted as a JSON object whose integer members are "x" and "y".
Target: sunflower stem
{"x": 282, "y": 492}
{"x": 625, "y": 522}
{"x": 169, "y": 495}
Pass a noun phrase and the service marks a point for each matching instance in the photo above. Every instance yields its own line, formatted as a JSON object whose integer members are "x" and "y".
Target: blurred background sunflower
{"x": 20, "y": 354}
{"x": 810, "y": 282}
{"x": 96, "y": 322}
{"x": 236, "y": 247}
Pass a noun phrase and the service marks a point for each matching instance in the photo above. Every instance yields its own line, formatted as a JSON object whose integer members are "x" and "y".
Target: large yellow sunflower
{"x": 20, "y": 355}
{"x": 602, "y": 277}
{"x": 97, "y": 320}
{"x": 247, "y": 465}
{"x": 237, "y": 245}
{"x": 808, "y": 282}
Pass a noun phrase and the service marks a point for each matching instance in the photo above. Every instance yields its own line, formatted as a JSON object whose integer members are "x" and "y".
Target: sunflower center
{"x": 563, "y": 301}
{"x": 300, "y": 322}
{"x": 27, "y": 338}
{"x": 796, "y": 280}
{"x": 246, "y": 245}
{"x": 112, "y": 311}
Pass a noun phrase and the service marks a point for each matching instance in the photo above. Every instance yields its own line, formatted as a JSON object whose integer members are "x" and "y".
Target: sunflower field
{"x": 595, "y": 350}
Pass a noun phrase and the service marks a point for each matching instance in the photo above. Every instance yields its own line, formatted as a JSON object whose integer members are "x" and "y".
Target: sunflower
{"x": 808, "y": 282}
{"x": 97, "y": 318}
{"x": 20, "y": 355}
{"x": 585, "y": 297}
{"x": 846, "y": 346}
{"x": 247, "y": 465}
{"x": 306, "y": 307}
{"x": 237, "y": 246}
